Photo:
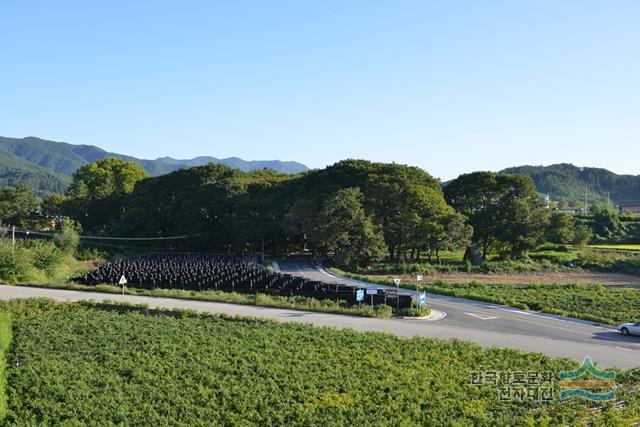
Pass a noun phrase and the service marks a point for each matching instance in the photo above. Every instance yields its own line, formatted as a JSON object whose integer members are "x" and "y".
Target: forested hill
{"x": 14, "y": 171}
{"x": 46, "y": 165}
{"x": 567, "y": 182}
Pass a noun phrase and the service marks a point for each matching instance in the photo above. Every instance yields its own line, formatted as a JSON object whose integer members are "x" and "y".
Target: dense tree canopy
{"x": 228, "y": 210}
{"x": 607, "y": 224}
{"x": 505, "y": 210}
{"x": 105, "y": 178}
{"x": 16, "y": 203}
{"x": 343, "y": 229}
{"x": 99, "y": 192}
{"x": 561, "y": 228}
{"x": 353, "y": 209}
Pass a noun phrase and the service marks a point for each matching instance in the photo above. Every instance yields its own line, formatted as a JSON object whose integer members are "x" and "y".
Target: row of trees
{"x": 356, "y": 211}
{"x": 509, "y": 217}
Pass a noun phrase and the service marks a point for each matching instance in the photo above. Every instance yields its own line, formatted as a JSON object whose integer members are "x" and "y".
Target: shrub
{"x": 415, "y": 312}
{"x": 13, "y": 265}
{"x": 45, "y": 255}
{"x": 69, "y": 237}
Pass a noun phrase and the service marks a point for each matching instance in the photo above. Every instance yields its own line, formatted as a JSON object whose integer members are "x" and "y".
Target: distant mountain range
{"x": 568, "y": 182}
{"x": 47, "y": 166}
{"x": 237, "y": 163}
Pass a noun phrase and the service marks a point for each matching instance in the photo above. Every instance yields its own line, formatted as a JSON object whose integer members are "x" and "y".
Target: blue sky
{"x": 449, "y": 86}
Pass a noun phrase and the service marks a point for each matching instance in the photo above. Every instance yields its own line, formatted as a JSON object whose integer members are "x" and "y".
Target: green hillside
{"x": 15, "y": 171}
{"x": 567, "y": 182}
{"x": 46, "y": 166}
{"x": 64, "y": 158}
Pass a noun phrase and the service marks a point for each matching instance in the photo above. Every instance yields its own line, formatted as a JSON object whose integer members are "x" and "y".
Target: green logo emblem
{"x": 587, "y": 382}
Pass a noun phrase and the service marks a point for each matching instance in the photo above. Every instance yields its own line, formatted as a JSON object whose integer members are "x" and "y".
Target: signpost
{"x": 123, "y": 281}
{"x": 422, "y": 299}
{"x": 360, "y": 295}
{"x": 372, "y": 292}
{"x": 397, "y": 281}
{"x": 419, "y": 278}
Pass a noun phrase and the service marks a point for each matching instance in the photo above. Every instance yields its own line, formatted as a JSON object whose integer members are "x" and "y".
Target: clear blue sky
{"x": 450, "y": 86}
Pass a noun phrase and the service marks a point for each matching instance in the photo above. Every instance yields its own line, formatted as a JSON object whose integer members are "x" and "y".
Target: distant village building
{"x": 546, "y": 199}
{"x": 630, "y": 207}
{"x": 572, "y": 211}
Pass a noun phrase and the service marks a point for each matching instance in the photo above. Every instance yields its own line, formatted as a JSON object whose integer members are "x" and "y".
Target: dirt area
{"x": 544, "y": 277}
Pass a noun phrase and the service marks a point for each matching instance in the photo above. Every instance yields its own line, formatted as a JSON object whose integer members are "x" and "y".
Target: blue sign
{"x": 423, "y": 299}
{"x": 360, "y": 295}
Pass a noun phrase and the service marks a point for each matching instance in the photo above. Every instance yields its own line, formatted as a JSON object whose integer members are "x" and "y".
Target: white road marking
{"x": 482, "y": 316}
{"x": 577, "y": 322}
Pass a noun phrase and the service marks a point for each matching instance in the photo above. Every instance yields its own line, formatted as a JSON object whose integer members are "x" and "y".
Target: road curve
{"x": 492, "y": 325}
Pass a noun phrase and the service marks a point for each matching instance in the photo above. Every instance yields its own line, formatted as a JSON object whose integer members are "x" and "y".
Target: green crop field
{"x": 82, "y": 364}
{"x": 590, "y": 302}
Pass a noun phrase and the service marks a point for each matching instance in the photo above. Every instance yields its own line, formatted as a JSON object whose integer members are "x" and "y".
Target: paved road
{"x": 503, "y": 329}
{"x": 500, "y": 326}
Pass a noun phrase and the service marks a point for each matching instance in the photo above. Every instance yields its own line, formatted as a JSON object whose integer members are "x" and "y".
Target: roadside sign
{"x": 397, "y": 281}
{"x": 372, "y": 291}
{"x": 422, "y": 301}
{"x": 419, "y": 277}
{"x": 123, "y": 281}
{"x": 360, "y": 295}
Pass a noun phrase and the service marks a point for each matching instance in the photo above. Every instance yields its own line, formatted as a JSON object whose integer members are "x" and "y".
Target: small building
{"x": 545, "y": 198}
{"x": 630, "y": 207}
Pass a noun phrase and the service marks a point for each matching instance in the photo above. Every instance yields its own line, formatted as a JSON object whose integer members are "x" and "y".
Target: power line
{"x": 40, "y": 233}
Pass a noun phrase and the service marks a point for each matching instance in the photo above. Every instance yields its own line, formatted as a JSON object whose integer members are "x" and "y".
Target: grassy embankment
{"x": 88, "y": 364}
{"x": 263, "y": 300}
{"x": 617, "y": 247}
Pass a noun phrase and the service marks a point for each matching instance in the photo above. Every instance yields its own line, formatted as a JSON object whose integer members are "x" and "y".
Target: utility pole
{"x": 13, "y": 239}
{"x": 608, "y": 200}
{"x": 586, "y": 198}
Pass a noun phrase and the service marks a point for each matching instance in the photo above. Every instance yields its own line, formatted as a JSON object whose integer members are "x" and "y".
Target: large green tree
{"x": 343, "y": 229}
{"x": 505, "y": 211}
{"x": 607, "y": 224}
{"x": 298, "y": 220}
{"x": 449, "y": 233}
{"x": 561, "y": 228}
{"x": 16, "y": 204}
{"x": 99, "y": 192}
